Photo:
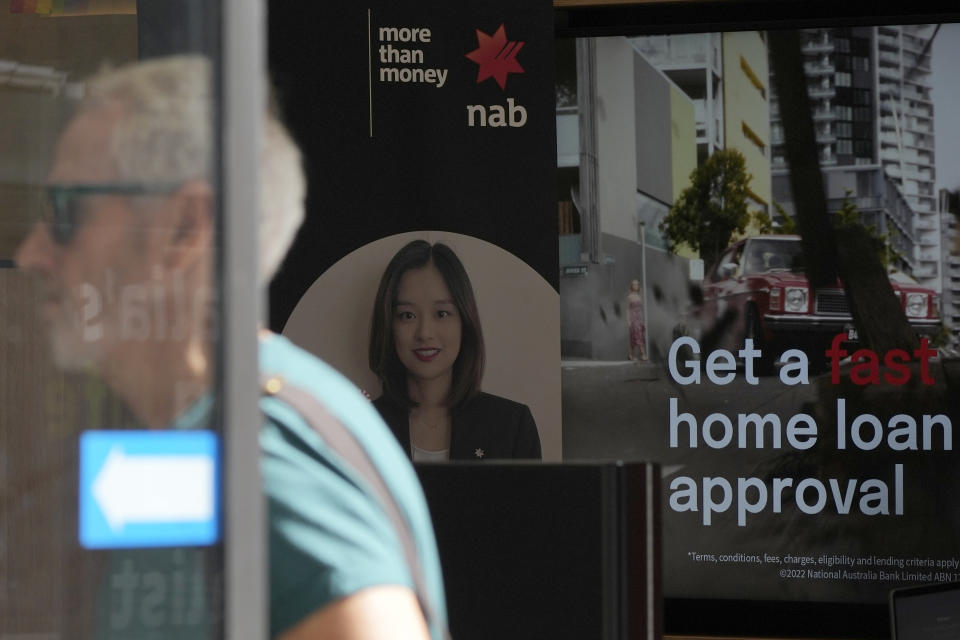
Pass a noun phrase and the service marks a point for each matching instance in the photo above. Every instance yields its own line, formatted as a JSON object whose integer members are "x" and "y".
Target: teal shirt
{"x": 328, "y": 535}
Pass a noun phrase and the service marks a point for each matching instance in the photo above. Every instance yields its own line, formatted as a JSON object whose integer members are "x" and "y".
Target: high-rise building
{"x": 949, "y": 206}
{"x": 906, "y": 133}
{"x": 870, "y": 98}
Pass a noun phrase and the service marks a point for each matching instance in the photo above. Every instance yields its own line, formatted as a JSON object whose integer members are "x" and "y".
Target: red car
{"x": 758, "y": 290}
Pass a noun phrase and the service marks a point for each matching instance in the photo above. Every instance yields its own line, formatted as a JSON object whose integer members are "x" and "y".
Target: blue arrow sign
{"x": 149, "y": 489}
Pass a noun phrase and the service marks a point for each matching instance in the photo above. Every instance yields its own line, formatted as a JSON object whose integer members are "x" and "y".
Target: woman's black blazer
{"x": 486, "y": 427}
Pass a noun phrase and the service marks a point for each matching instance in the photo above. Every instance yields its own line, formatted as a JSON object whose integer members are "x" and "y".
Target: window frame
{"x": 243, "y": 94}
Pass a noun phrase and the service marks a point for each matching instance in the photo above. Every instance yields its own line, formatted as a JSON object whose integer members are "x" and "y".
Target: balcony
{"x": 824, "y": 114}
{"x": 918, "y": 63}
{"x": 913, "y": 94}
{"x": 863, "y": 203}
{"x": 913, "y": 41}
{"x": 690, "y": 50}
{"x": 930, "y": 239}
{"x": 887, "y": 41}
{"x": 889, "y": 139}
{"x": 826, "y": 137}
{"x": 913, "y": 174}
{"x": 819, "y": 92}
{"x": 888, "y": 72}
{"x": 818, "y": 68}
{"x": 890, "y": 155}
{"x": 822, "y": 45}
{"x": 892, "y": 59}
{"x": 922, "y": 142}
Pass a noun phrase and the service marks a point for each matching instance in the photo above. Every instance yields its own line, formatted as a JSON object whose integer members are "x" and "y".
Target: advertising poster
{"x": 807, "y": 455}
{"x": 441, "y": 128}
{"x": 804, "y": 458}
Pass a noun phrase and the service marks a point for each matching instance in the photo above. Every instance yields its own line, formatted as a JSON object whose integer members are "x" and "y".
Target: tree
{"x": 877, "y": 313}
{"x": 712, "y": 208}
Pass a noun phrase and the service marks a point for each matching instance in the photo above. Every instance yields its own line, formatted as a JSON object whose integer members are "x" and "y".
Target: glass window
{"x": 111, "y": 525}
{"x": 764, "y": 255}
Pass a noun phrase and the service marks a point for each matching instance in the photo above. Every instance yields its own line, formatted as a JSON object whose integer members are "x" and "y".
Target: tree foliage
{"x": 712, "y": 208}
{"x": 845, "y": 219}
{"x": 785, "y": 223}
{"x": 848, "y": 218}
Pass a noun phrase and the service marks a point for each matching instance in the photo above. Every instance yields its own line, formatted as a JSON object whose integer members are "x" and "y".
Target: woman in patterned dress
{"x": 638, "y": 337}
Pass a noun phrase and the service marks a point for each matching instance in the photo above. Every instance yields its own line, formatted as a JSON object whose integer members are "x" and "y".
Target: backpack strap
{"x": 345, "y": 444}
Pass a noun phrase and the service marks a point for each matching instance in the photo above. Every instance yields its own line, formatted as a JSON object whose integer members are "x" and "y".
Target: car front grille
{"x": 832, "y": 301}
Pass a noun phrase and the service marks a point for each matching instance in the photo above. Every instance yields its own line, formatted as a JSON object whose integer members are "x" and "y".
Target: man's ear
{"x": 190, "y": 226}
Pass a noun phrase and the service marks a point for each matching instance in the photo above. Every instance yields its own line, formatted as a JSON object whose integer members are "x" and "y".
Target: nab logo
{"x": 497, "y": 58}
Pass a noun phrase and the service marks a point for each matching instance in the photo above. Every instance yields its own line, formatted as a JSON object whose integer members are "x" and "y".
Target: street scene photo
{"x": 758, "y": 278}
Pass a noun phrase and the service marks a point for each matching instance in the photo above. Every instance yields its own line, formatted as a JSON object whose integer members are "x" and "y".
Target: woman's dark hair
{"x": 468, "y": 367}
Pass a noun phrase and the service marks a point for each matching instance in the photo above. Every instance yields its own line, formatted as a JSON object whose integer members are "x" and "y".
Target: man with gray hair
{"x": 124, "y": 259}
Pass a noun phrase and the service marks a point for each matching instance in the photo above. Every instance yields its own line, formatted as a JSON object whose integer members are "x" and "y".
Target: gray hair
{"x": 165, "y": 136}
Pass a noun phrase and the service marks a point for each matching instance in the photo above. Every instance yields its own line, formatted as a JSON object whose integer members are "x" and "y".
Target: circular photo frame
{"x": 519, "y": 312}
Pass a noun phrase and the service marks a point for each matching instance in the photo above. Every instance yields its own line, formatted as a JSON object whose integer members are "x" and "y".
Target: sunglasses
{"x": 64, "y": 211}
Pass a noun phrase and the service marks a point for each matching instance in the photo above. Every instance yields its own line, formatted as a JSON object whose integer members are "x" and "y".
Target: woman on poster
{"x": 426, "y": 347}
{"x": 635, "y": 322}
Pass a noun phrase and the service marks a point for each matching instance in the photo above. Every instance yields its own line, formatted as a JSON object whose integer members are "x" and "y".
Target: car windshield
{"x": 763, "y": 255}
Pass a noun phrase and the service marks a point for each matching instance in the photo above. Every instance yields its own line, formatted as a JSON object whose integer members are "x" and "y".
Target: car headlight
{"x": 795, "y": 300}
{"x": 916, "y": 305}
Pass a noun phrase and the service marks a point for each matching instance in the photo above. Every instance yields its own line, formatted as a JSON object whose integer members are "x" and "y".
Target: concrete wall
{"x": 616, "y": 133}
{"x": 653, "y": 139}
{"x": 683, "y": 141}
{"x": 646, "y": 149}
{"x": 594, "y": 321}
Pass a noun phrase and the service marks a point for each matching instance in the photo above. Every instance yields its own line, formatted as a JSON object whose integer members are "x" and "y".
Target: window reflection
{"x": 57, "y": 332}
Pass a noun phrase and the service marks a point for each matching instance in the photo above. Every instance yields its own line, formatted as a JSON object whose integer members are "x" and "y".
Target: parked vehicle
{"x": 758, "y": 289}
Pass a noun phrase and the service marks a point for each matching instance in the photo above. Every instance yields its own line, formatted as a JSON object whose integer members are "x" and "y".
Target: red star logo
{"x": 496, "y": 56}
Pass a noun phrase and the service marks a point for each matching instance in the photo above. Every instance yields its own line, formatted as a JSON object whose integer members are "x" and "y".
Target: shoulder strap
{"x": 343, "y": 441}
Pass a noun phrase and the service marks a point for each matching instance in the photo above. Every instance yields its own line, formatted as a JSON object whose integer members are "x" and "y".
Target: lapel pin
{"x": 478, "y": 452}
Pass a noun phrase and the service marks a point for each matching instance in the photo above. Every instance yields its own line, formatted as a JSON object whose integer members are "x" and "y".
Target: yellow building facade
{"x": 746, "y": 110}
